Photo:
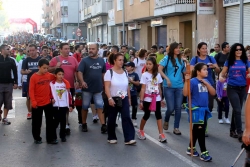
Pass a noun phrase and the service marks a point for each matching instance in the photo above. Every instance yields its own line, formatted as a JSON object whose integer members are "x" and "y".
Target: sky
{"x": 24, "y": 9}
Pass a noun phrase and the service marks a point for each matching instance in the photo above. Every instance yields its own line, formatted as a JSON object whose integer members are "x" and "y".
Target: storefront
{"x": 161, "y": 31}
{"x": 98, "y": 29}
{"x": 233, "y": 23}
{"x": 135, "y": 28}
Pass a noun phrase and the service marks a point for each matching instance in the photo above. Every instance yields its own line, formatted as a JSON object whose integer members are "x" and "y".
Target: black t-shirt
{"x": 221, "y": 59}
{"x": 30, "y": 64}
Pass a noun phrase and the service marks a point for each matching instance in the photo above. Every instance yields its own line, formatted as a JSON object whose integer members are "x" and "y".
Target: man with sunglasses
{"x": 7, "y": 82}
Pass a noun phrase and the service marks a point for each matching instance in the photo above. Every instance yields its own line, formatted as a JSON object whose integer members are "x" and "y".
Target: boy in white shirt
{"x": 62, "y": 102}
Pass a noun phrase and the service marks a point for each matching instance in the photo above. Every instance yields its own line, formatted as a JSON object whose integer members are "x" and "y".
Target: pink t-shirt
{"x": 69, "y": 65}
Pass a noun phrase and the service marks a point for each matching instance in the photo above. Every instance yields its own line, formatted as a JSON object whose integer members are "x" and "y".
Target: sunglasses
{"x": 238, "y": 49}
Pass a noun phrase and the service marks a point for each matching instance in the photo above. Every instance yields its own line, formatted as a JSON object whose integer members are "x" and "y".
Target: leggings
{"x": 199, "y": 133}
{"x": 147, "y": 111}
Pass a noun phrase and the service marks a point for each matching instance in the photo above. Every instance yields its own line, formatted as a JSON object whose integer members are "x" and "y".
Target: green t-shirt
{"x": 127, "y": 56}
{"x": 160, "y": 56}
{"x": 213, "y": 54}
{"x": 19, "y": 57}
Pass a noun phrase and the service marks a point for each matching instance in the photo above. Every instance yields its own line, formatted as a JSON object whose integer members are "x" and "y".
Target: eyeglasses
{"x": 238, "y": 49}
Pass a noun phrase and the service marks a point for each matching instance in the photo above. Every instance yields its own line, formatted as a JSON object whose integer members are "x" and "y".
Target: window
{"x": 131, "y": 2}
{"x": 119, "y": 5}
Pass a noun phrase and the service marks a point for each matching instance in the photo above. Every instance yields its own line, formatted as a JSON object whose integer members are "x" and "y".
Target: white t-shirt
{"x": 61, "y": 95}
{"x": 151, "y": 85}
{"x": 119, "y": 82}
{"x": 139, "y": 64}
{"x": 100, "y": 52}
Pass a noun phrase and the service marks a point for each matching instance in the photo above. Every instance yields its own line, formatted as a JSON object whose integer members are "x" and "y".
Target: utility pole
{"x": 63, "y": 18}
{"x": 241, "y": 20}
{"x": 78, "y": 13}
{"x": 123, "y": 22}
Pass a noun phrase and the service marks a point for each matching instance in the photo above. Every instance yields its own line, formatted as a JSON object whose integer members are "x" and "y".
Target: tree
{"x": 4, "y": 20}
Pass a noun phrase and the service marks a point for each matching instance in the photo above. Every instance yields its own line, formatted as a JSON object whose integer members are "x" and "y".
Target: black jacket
{"x": 7, "y": 65}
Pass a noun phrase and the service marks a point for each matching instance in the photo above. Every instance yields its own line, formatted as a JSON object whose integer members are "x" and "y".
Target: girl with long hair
{"x": 171, "y": 68}
{"x": 199, "y": 87}
{"x": 150, "y": 98}
{"x": 236, "y": 67}
{"x": 140, "y": 61}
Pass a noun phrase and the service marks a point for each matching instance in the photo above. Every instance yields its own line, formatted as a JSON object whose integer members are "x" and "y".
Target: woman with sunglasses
{"x": 236, "y": 67}
{"x": 171, "y": 68}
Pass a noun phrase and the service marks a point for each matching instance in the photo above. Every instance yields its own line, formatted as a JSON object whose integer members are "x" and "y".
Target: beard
{"x": 92, "y": 54}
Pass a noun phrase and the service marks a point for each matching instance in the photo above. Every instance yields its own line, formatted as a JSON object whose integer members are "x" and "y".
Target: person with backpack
{"x": 202, "y": 57}
{"x": 171, "y": 68}
{"x": 140, "y": 61}
{"x": 118, "y": 92}
{"x": 236, "y": 67}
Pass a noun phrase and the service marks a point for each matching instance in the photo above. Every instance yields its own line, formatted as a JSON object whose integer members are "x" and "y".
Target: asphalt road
{"x": 90, "y": 149}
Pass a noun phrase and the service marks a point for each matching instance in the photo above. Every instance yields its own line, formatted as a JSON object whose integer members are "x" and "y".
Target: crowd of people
{"x": 110, "y": 79}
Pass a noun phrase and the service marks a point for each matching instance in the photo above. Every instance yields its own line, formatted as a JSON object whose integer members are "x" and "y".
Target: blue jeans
{"x": 173, "y": 97}
{"x": 127, "y": 125}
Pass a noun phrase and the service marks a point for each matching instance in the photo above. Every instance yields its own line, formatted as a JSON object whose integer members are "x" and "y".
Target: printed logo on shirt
{"x": 202, "y": 88}
{"x": 60, "y": 92}
{"x": 66, "y": 62}
{"x": 43, "y": 82}
{"x": 33, "y": 65}
{"x": 95, "y": 66}
{"x": 142, "y": 64}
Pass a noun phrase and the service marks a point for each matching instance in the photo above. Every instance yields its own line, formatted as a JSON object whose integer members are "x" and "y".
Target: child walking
{"x": 62, "y": 102}
{"x": 133, "y": 82}
{"x": 199, "y": 88}
{"x": 78, "y": 104}
{"x": 151, "y": 97}
{"x": 223, "y": 101}
{"x": 40, "y": 96}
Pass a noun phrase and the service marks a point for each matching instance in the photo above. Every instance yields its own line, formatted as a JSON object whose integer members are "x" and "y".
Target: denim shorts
{"x": 25, "y": 89}
{"x": 87, "y": 96}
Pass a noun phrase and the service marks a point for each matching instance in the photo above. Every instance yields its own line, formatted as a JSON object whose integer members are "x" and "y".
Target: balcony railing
{"x": 162, "y": 3}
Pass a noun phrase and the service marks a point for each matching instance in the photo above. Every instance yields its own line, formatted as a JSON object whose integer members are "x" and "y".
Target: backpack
{"x": 111, "y": 73}
{"x": 165, "y": 69}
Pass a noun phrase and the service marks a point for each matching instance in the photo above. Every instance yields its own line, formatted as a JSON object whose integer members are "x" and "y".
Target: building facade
{"x": 95, "y": 15}
{"x": 63, "y": 17}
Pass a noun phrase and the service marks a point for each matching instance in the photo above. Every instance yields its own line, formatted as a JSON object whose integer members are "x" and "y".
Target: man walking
{"x": 90, "y": 74}
{"x": 69, "y": 64}
{"x": 29, "y": 67}
{"x": 7, "y": 66}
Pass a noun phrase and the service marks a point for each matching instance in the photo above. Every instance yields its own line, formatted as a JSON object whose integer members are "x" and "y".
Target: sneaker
{"x": 227, "y": 121}
{"x": 80, "y": 125}
{"x": 240, "y": 137}
{"x": 165, "y": 126}
{"x": 104, "y": 128}
{"x": 112, "y": 141}
{"x": 1, "y": 115}
{"x": 134, "y": 122}
{"x": 195, "y": 152}
{"x": 141, "y": 135}
{"x": 6, "y": 122}
{"x": 53, "y": 142}
{"x": 205, "y": 156}
{"x": 67, "y": 131}
{"x": 38, "y": 142}
{"x": 131, "y": 142}
{"x": 220, "y": 121}
{"x": 177, "y": 131}
{"x": 29, "y": 115}
{"x": 84, "y": 127}
{"x": 63, "y": 139}
{"x": 162, "y": 138}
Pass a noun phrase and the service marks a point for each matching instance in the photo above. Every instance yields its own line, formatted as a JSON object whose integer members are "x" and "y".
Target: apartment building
{"x": 95, "y": 14}
{"x": 62, "y": 18}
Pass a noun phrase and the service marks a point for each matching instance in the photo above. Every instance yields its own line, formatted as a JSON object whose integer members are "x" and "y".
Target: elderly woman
{"x": 118, "y": 93}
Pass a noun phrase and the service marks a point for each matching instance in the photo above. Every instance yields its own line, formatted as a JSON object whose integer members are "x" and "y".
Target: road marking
{"x": 171, "y": 151}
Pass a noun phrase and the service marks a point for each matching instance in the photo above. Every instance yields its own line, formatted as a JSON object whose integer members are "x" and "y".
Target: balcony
{"x": 45, "y": 24}
{"x": 99, "y": 8}
{"x": 111, "y": 17}
{"x": 170, "y": 7}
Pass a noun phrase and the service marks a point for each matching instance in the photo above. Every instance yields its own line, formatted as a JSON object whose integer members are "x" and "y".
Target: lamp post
{"x": 123, "y": 22}
{"x": 241, "y": 21}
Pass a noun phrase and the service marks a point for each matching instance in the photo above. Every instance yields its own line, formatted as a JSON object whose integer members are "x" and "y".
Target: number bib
{"x": 153, "y": 88}
{"x": 121, "y": 94}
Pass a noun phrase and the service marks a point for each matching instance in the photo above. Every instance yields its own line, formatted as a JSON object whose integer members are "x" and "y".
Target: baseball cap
{"x": 130, "y": 64}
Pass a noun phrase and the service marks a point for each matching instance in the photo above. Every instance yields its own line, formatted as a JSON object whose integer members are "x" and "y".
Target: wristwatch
{"x": 109, "y": 98}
